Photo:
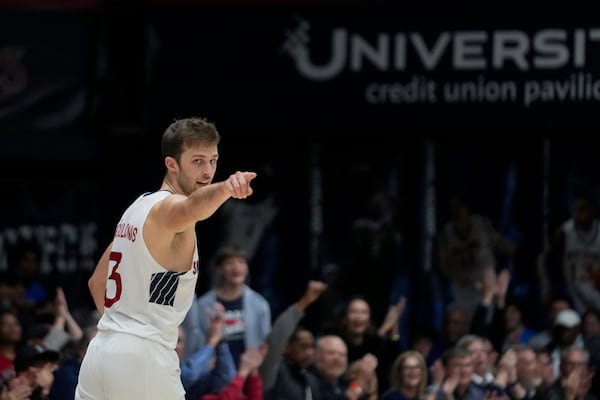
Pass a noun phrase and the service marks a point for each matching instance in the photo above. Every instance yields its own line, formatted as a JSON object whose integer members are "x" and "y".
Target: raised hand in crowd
{"x": 437, "y": 372}
{"x": 216, "y": 318}
{"x": 64, "y": 329}
{"x": 488, "y": 286}
{"x": 506, "y": 369}
{"x": 390, "y": 322}
{"x": 313, "y": 291}
{"x": 577, "y": 384}
{"x": 362, "y": 374}
{"x": 291, "y": 350}
{"x": 247, "y": 384}
{"x": 450, "y": 383}
{"x": 63, "y": 318}
{"x": 251, "y": 359}
{"x": 494, "y": 286}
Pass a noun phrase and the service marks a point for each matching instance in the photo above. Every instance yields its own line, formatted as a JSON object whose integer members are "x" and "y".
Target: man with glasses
{"x": 575, "y": 380}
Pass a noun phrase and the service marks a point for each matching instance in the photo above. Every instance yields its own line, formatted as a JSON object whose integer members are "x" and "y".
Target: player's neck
{"x": 166, "y": 185}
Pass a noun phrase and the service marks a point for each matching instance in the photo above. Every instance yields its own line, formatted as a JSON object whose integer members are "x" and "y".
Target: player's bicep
{"x": 170, "y": 214}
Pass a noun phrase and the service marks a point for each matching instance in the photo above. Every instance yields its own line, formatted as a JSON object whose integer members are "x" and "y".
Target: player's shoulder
{"x": 152, "y": 197}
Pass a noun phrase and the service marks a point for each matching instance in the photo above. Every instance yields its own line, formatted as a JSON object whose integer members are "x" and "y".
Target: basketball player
{"x": 573, "y": 260}
{"x": 144, "y": 283}
{"x": 468, "y": 246}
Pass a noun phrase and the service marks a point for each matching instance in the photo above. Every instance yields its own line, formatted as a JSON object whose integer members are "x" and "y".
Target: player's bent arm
{"x": 97, "y": 282}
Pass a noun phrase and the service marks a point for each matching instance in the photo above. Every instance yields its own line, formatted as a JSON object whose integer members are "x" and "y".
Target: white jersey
{"x": 471, "y": 254}
{"x": 142, "y": 297}
{"x": 581, "y": 265}
{"x": 467, "y": 259}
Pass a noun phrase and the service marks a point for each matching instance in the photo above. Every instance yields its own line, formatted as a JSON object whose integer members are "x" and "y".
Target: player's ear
{"x": 171, "y": 163}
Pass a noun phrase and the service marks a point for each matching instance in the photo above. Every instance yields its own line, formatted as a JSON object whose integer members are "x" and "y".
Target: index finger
{"x": 249, "y": 175}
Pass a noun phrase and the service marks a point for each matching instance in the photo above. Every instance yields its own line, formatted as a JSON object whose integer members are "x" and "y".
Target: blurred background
{"x": 350, "y": 111}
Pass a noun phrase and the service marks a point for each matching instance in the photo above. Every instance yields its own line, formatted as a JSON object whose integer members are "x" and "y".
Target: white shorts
{"x": 119, "y": 366}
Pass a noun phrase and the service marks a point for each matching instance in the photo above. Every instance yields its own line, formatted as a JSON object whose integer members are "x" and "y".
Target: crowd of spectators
{"x": 232, "y": 346}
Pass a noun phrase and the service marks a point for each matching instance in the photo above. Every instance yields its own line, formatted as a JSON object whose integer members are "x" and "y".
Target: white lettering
{"x": 468, "y": 50}
{"x": 430, "y": 59}
{"x": 462, "y": 50}
{"x": 417, "y": 90}
{"x": 552, "y": 49}
{"x": 510, "y": 45}
{"x": 360, "y": 49}
{"x": 580, "y": 86}
{"x": 400, "y": 52}
{"x": 480, "y": 91}
{"x": 65, "y": 247}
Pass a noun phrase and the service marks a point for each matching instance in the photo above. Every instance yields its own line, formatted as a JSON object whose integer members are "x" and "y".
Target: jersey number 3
{"x": 116, "y": 278}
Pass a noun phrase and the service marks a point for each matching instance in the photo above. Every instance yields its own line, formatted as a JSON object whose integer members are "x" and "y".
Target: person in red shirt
{"x": 10, "y": 336}
{"x": 247, "y": 384}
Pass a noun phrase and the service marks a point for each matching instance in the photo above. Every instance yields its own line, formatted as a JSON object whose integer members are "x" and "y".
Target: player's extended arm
{"x": 179, "y": 212}
{"x": 97, "y": 282}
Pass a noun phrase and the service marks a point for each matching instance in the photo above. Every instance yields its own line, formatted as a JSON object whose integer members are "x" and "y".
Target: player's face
{"x": 197, "y": 167}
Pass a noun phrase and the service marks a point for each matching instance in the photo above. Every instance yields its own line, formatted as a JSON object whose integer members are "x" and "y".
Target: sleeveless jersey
{"x": 469, "y": 255}
{"x": 143, "y": 298}
{"x": 581, "y": 265}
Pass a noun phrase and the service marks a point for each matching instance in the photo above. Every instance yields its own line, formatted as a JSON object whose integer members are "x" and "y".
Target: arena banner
{"x": 361, "y": 65}
{"x": 61, "y": 218}
{"x": 48, "y": 64}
